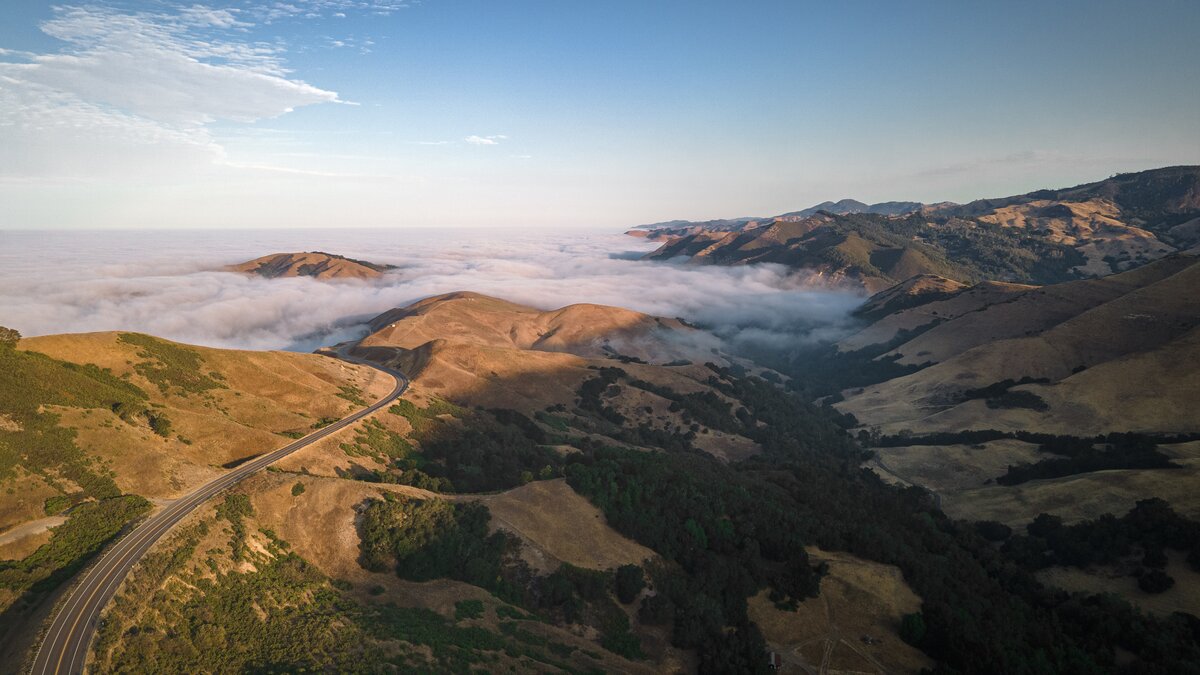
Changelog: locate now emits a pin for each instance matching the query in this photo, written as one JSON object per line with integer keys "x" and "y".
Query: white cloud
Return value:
{"x": 271, "y": 12}
{"x": 485, "y": 140}
{"x": 138, "y": 87}
{"x": 166, "y": 288}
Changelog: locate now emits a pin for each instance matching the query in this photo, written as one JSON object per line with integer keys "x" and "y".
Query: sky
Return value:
{"x": 489, "y": 113}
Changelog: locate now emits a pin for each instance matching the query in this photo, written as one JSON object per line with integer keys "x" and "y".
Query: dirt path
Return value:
{"x": 31, "y": 528}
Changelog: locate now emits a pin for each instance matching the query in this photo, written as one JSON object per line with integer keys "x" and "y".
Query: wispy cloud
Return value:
{"x": 272, "y": 12}
{"x": 485, "y": 140}
{"x": 1022, "y": 158}
{"x": 140, "y": 85}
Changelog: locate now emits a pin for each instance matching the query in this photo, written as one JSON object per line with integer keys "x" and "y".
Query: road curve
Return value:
{"x": 68, "y": 640}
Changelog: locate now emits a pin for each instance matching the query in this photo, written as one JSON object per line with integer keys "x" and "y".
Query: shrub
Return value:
{"x": 629, "y": 582}
{"x": 8, "y": 337}
{"x": 468, "y": 609}
{"x": 912, "y": 628}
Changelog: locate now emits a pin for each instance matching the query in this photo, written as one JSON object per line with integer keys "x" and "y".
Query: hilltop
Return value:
{"x": 316, "y": 264}
{"x": 1045, "y": 236}
{"x": 596, "y": 331}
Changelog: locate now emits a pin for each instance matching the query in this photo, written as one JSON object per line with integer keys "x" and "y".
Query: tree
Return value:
{"x": 8, "y": 337}
{"x": 912, "y": 628}
{"x": 630, "y": 582}
{"x": 1155, "y": 581}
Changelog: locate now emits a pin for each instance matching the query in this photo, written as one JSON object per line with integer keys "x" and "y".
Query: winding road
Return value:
{"x": 66, "y": 644}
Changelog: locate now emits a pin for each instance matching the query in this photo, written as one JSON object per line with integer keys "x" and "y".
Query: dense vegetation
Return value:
{"x": 283, "y": 615}
{"x": 982, "y": 610}
{"x": 172, "y": 367}
{"x": 1120, "y": 451}
{"x": 478, "y": 451}
{"x": 1143, "y": 534}
{"x": 432, "y": 539}
{"x": 90, "y": 527}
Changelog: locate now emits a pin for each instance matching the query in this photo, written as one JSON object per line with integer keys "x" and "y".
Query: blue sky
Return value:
{"x": 383, "y": 113}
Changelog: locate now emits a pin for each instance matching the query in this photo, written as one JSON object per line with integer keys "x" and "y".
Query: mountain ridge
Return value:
{"x": 1043, "y": 236}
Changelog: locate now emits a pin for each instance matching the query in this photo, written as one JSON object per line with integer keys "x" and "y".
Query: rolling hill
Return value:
{"x": 314, "y": 264}
{"x": 96, "y": 427}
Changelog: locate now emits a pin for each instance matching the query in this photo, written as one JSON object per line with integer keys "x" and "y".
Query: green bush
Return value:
{"x": 912, "y": 628}
{"x": 468, "y": 609}
{"x": 9, "y": 337}
{"x": 171, "y": 366}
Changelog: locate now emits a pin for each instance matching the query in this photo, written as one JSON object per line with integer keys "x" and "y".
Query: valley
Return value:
{"x": 590, "y": 488}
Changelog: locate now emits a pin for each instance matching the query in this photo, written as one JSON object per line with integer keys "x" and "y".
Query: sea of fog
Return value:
{"x": 168, "y": 283}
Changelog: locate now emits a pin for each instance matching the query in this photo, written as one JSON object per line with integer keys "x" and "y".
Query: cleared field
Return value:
{"x": 558, "y": 525}
{"x": 1184, "y": 596}
{"x": 859, "y": 599}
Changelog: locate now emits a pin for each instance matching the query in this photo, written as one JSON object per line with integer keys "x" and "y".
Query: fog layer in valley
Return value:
{"x": 167, "y": 284}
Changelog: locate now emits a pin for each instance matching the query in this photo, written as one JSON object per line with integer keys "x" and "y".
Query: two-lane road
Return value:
{"x": 65, "y": 646}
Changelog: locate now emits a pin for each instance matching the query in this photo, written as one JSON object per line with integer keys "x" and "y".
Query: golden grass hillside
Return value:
{"x": 253, "y": 402}
{"x": 852, "y": 627}
{"x": 558, "y": 525}
{"x": 595, "y": 331}
{"x": 314, "y": 264}
{"x": 1128, "y": 328}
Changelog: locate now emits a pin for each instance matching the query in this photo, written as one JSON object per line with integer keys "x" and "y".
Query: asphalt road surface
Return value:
{"x": 65, "y": 647}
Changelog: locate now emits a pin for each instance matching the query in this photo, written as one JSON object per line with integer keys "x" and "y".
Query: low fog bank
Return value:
{"x": 165, "y": 284}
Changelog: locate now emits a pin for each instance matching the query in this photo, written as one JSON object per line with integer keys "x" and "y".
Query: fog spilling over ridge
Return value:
{"x": 168, "y": 284}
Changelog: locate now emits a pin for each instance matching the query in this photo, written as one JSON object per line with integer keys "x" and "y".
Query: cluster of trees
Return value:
{"x": 172, "y": 367}
{"x": 727, "y": 536}
{"x": 593, "y": 392}
{"x": 9, "y": 337}
{"x": 430, "y": 539}
{"x": 1057, "y": 444}
{"x": 700, "y": 407}
{"x": 489, "y": 450}
{"x": 282, "y": 617}
{"x": 1150, "y": 528}
{"x": 1072, "y": 454}
{"x": 998, "y": 395}
{"x": 90, "y": 527}
{"x": 235, "y": 509}
{"x": 1121, "y": 451}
